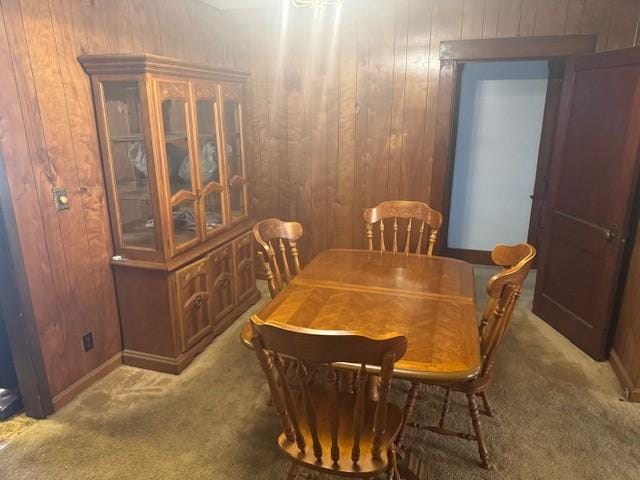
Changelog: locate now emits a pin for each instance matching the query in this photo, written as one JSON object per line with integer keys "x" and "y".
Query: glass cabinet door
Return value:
{"x": 234, "y": 154}
{"x": 178, "y": 163}
{"x": 130, "y": 169}
{"x": 207, "y": 123}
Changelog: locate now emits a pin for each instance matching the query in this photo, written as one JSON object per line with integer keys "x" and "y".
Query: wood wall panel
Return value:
{"x": 362, "y": 79}
{"x": 48, "y": 137}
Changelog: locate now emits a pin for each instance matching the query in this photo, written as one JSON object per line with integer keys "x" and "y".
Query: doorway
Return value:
{"x": 497, "y": 109}
{"x": 500, "y": 116}
{"x": 21, "y": 364}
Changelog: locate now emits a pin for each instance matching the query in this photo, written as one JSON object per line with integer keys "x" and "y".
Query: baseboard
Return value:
{"x": 623, "y": 377}
{"x": 69, "y": 393}
{"x": 161, "y": 363}
{"x": 149, "y": 361}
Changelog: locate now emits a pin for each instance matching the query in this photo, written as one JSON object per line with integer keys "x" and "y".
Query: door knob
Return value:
{"x": 611, "y": 234}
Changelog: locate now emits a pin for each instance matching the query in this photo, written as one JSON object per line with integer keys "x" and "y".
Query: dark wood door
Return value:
{"x": 222, "y": 283}
{"x": 245, "y": 273}
{"x": 593, "y": 180}
{"x": 194, "y": 297}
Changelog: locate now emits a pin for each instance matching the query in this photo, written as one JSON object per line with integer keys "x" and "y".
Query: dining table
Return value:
{"x": 428, "y": 299}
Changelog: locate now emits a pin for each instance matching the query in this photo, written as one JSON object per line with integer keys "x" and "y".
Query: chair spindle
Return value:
{"x": 285, "y": 263}
{"x": 395, "y": 234}
{"x": 271, "y": 281}
{"x": 276, "y": 395}
{"x": 419, "y": 247}
{"x": 294, "y": 254}
{"x": 358, "y": 414}
{"x": 407, "y": 243}
{"x": 309, "y": 410}
{"x": 288, "y": 400}
{"x": 334, "y": 413}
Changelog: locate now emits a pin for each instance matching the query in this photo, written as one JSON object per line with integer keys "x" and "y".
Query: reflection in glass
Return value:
{"x": 129, "y": 158}
{"x": 234, "y": 159}
{"x": 208, "y": 141}
{"x": 176, "y": 147}
{"x": 184, "y": 223}
{"x": 213, "y": 211}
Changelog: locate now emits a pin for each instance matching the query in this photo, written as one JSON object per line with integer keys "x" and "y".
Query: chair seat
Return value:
{"x": 366, "y": 465}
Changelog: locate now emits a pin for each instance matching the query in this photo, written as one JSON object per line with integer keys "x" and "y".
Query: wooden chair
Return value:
{"x": 503, "y": 289}
{"x": 277, "y": 248}
{"x": 323, "y": 428}
{"x": 419, "y": 215}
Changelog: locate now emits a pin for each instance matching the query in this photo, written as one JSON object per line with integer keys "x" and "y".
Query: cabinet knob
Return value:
{"x": 225, "y": 282}
{"x": 198, "y": 301}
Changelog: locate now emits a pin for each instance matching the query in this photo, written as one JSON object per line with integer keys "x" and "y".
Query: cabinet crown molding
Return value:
{"x": 140, "y": 63}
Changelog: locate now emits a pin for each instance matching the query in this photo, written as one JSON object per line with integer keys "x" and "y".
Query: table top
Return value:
{"x": 430, "y": 300}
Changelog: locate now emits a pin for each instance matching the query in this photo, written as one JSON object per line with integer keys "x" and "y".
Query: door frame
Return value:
{"x": 19, "y": 317}
{"x": 453, "y": 55}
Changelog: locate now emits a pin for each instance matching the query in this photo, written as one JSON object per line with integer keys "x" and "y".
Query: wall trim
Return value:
{"x": 623, "y": 377}
{"x": 68, "y": 394}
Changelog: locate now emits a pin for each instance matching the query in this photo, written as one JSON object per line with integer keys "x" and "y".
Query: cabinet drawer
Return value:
{"x": 223, "y": 291}
{"x": 245, "y": 270}
{"x": 194, "y": 302}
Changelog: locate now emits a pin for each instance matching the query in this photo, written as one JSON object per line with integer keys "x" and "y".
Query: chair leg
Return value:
{"x": 445, "y": 408}
{"x": 394, "y": 474}
{"x": 412, "y": 397}
{"x": 292, "y": 472}
{"x": 487, "y": 406}
{"x": 477, "y": 428}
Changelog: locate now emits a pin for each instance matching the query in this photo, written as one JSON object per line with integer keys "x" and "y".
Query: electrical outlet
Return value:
{"x": 87, "y": 341}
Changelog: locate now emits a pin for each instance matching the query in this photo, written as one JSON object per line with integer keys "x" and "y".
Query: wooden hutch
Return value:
{"x": 172, "y": 146}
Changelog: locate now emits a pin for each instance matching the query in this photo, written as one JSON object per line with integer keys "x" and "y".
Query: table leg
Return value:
{"x": 412, "y": 397}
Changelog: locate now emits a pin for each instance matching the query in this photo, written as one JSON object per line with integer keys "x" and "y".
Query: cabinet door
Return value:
{"x": 129, "y": 171}
{"x": 179, "y": 165}
{"x": 222, "y": 282}
{"x": 245, "y": 273}
{"x": 234, "y": 151}
{"x": 194, "y": 302}
{"x": 208, "y": 154}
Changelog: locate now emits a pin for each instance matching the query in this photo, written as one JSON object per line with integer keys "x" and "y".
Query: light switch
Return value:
{"x": 60, "y": 199}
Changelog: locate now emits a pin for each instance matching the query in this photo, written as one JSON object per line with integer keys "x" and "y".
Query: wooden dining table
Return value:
{"x": 428, "y": 299}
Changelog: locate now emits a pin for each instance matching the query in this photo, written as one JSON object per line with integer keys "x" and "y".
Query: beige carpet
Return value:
{"x": 559, "y": 417}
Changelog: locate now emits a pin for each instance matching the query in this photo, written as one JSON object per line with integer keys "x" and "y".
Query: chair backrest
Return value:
{"x": 312, "y": 348}
{"x": 419, "y": 215}
{"x": 278, "y": 251}
{"x": 504, "y": 289}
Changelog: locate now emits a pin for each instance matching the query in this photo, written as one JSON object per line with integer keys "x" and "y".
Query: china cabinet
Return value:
{"x": 171, "y": 138}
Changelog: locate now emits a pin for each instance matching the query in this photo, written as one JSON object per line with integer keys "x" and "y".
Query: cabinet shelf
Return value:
{"x": 133, "y": 137}
{"x": 133, "y": 190}
{"x": 206, "y": 137}
{"x": 171, "y": 137}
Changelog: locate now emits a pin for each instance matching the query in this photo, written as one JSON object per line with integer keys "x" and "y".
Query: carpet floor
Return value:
{"x": 559, "y": 416}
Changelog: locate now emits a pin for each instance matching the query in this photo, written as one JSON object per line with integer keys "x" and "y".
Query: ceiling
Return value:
{"x": 240, "y": 4}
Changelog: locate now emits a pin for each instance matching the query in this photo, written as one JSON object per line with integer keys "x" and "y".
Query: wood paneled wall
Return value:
{"x": 343, "y": 102}
{"x": 49, "y": 139}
